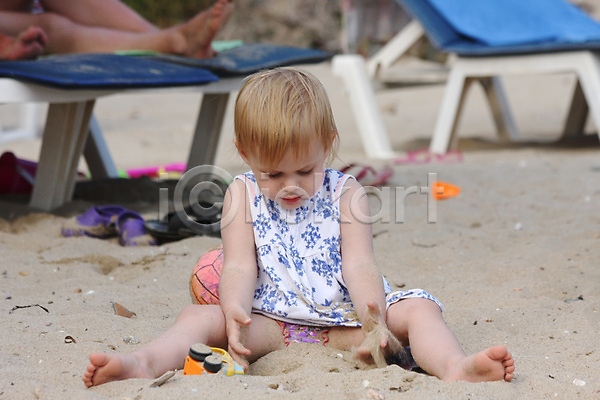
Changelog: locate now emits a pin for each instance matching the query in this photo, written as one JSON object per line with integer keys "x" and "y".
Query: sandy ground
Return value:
{"x": 514, "y": 258}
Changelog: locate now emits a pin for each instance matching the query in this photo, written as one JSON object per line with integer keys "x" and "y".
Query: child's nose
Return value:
{"x": 290, "y": 181}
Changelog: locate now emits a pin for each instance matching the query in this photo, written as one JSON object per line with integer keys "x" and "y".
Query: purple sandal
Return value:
{"x": 130, "y": 226}
{"x": 97, "y": 222}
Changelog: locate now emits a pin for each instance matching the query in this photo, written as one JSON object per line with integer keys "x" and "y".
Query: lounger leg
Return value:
{"x": 208, "y": 129}
{"x": 578, "y": 113}
{"x": 589, "y": 75}
{"x": 97, "y": 155}
{"x": 450, "y": 110}
{"x": 395, "y": 48}
{"x": 496, "y": 98}
{"x": 351, "y": 68}
{"x": 62, "y": 144}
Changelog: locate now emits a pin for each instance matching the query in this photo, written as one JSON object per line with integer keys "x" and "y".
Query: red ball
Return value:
{"x": 204, "y": 282}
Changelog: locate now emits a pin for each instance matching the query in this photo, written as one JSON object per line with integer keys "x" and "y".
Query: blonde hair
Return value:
{"x": 281, "y": 109}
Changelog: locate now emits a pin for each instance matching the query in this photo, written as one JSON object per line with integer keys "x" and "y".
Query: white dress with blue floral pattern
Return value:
{"x": 299, "y": 262}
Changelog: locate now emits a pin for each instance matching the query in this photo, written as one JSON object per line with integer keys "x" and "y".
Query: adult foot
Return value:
{"x": 200, "y": 31}
{"x": 492, "y": 364}
{"x": 28, "y": 45}
{"x": 105, "y": 368}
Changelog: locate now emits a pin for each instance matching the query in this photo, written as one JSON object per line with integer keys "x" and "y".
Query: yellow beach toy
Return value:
{"x": 202, "y": 359}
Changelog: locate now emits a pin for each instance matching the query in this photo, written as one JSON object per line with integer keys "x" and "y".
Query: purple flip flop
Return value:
{"x": 130, "y": 226}
{"x": 97, "y": 222}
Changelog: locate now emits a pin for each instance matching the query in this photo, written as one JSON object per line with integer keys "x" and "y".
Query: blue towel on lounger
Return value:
{"x": 498, "y": 27}
{"x": 104, "y": 71}
{"x": 514, "y": 22}
{"x": 249, "y": 58}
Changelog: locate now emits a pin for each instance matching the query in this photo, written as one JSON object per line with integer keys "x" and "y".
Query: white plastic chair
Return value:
{"x": 484, "y": 53}
{"x": 356, "y": 74}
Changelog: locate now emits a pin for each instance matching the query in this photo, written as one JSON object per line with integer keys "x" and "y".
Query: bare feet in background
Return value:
{"x": 199, "y": 32}
{"x": 58, "y": 32}
{"x": 28, "y": 45}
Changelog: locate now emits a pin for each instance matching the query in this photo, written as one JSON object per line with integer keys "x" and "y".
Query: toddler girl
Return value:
{"x": 298, "y": 257}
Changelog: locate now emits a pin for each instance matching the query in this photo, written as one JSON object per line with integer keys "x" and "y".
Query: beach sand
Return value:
{"x": 514, "y": 258}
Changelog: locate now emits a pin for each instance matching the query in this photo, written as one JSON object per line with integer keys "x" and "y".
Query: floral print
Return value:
{"x": 299, "y": 261}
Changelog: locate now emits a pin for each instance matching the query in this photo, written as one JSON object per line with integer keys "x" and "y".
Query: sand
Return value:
{"x": 514, "y": 258}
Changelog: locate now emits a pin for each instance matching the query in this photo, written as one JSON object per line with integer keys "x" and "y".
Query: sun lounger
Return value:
{"x": 500, "y": 37}
{"x": 72, "y": 83}
{"x": 510, "y": 37}
{"x": 231, "y": 66}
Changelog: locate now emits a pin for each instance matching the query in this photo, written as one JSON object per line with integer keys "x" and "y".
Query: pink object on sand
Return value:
{"x": 16, "y": 175}
{"x": 155, "y": 171}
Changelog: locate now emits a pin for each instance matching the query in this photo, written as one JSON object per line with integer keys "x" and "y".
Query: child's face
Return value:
{"x": 292, "y": 181}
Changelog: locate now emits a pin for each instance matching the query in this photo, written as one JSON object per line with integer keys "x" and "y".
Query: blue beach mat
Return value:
{"x": 488, "y": 27}
{"x": 104, "y": 71}
{"x": 249, "y": 58}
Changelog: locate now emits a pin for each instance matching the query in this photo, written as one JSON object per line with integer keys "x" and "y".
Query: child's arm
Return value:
{"x": 359, "y": 269}
{"x": 364, "y": 281}
{"x": 238, "y": 278}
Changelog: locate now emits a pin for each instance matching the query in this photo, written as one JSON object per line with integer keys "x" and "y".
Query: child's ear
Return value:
{"x": 241, "y": 152}
{"x": 244, "y": 157}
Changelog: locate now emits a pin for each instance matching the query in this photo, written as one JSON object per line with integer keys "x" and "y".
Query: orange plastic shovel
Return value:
{"x": 444, "y": 190}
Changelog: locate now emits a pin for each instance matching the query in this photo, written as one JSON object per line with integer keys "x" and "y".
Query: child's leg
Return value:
{"x": 419, "y": 322}
{"x": 195, "y": 324}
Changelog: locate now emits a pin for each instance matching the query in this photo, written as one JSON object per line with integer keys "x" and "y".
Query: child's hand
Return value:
{"x": 380, "y": 345}
{"x": 237, "y": 322}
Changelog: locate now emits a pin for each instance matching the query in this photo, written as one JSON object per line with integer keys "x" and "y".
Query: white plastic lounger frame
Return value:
{"x": 463, "y": 72}
{"x": 70, "y": 119}
{"x": 487, "y": 70}
{"x": 356, "y": 74}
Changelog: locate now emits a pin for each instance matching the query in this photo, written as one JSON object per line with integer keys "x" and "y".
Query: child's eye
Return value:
{"x": 307, "y": 172}
{"x": 274, "y": 175}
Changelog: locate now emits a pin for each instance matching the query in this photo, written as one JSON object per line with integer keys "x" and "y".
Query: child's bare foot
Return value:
{"x": 380, "y": 345}
{"x": 492, "y": 364}
{"x": 200, "y": 31}
{"x": 27, "y": 45}
{"x": 114, "y": 367}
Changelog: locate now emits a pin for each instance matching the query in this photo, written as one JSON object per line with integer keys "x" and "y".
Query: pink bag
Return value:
{"x": 16, "y": 175}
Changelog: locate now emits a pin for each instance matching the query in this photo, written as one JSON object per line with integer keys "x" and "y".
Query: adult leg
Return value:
{"x": 112, "y": 14}
{"x": 419, "y": 322}
{"x": 192, "y": 39}
{"x": 65, "y": 36}
{"x": 15, "y": 5}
